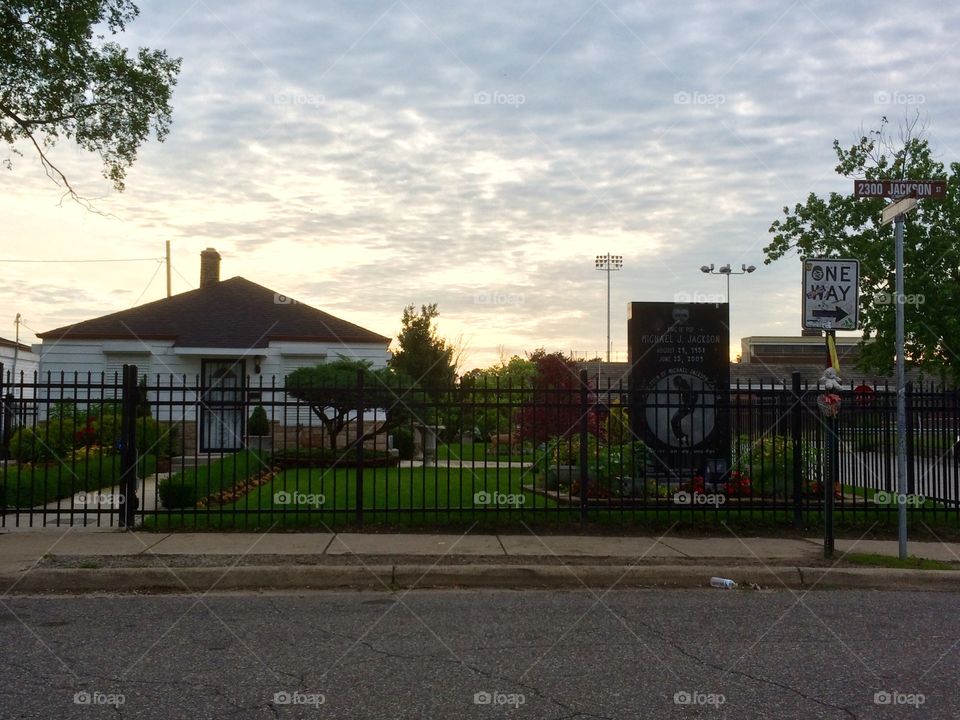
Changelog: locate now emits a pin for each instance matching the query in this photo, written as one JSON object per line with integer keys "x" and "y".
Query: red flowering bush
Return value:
{"x": 87, "y": 435}
{"x": 697, "y": 485}
{"x": 738, "y": 485}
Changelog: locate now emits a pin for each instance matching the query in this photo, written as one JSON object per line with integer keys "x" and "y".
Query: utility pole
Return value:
{"x": 16, "y": 348}
{"x": 169, "y": 292}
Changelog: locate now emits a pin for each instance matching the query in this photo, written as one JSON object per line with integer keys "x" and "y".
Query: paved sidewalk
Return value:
{"x": 73, "y": 560}
{"x": 19, "y": 550}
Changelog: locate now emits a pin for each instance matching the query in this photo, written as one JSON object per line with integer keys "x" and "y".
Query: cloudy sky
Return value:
{"x": 361, "y": 156}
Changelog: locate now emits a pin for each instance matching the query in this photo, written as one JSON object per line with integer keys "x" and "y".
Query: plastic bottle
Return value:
{"x": 719, "y": 582}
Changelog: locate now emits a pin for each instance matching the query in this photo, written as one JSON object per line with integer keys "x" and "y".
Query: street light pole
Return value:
{"x": 728, "y": 271}
{"x": 609, "y": 263}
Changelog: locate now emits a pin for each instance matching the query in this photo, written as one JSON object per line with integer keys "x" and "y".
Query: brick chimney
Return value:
{"x": 209, "y": 268}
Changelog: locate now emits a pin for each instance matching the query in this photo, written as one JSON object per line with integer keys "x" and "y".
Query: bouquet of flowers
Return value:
{"x": 829, "y": 404}
{"x": 829, "y": 401}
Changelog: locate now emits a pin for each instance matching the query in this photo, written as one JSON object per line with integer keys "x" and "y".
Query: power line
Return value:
{"x": 149, "y": 283}
{"x": 153, "y": 259}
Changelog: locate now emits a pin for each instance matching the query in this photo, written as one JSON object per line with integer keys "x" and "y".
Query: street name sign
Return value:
{"x": 900, "y": 188}
{"x": 891, "y": 211}
{"x": 831, "y": 294}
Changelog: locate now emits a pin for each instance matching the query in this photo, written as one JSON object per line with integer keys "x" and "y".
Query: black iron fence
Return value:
{"x": 167, "y": 451}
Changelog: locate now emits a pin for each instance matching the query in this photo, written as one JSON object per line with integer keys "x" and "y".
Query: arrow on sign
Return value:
{"x": 838, "y": 314}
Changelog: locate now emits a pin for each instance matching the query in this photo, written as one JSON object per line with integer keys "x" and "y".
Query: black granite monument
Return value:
{"x": 679, "y": 387}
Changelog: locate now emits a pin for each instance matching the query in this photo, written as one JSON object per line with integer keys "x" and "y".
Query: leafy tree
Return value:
{"x": 844, "y": 226}
{"x": 554, "y": 409}
{"x": 334, "y": 394}
{"x": 422, "y": 354}
{"x": 59, "y": 78}
{"x": 491, "y": 396}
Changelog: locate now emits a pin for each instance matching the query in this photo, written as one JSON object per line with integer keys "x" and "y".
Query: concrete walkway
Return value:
{"x": 56, "y": 514}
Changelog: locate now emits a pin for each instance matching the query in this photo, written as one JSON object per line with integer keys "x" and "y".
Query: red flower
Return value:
{"x": 738, "y": 485}
{"x": 697, "y": 485}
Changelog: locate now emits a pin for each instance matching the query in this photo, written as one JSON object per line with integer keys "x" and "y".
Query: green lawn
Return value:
{"x": 444, "y": 497}
{"x": 24, "y": 486}
{"x": 888, "y": 561}
{"x": 479, "y": 452}
{"x": 303, "y": 496}
{"x": 185, "y": 488}
{"x": 867, "y": 495}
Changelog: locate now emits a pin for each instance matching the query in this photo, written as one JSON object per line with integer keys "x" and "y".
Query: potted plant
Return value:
{"x": 258, "y": 431}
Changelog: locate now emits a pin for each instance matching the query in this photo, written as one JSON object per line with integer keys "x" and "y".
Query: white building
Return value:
{"x": 233, "y": 338}
{"x": 18, "y": 358}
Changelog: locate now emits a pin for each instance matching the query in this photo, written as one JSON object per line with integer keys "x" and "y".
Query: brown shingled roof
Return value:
{"x": 12, "y": 343}
{"x": 234, "y": 313}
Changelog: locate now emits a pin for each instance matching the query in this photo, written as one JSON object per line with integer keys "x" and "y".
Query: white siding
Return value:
{"x": 27, "y": 363}
{"x": 179, "y": 368}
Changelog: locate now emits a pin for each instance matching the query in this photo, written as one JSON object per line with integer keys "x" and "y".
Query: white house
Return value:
{"x": 18, "y": 358}
{"x": 234, "y": 338}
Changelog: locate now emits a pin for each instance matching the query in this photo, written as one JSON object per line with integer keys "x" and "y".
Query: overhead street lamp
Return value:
{"x": 609, "y": 263}
{"x": 728, "y": 271}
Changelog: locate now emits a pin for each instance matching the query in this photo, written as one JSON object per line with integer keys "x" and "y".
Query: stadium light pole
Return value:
{"x": 609, "y": 263}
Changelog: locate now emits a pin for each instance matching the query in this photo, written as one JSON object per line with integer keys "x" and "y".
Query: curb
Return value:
{"x": 397, "y": 577}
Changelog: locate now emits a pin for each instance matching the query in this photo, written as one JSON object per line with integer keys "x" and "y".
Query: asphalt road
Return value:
{"x": 483, "y": 654}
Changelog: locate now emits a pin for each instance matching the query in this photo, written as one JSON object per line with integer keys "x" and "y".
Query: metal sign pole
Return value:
{"x": 901, "y": 397}
{"x": 904, "y": 195}
{"x": 832, "y": 449}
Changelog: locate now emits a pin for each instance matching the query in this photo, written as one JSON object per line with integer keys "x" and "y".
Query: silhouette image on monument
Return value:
{"x": 688, "y": 403}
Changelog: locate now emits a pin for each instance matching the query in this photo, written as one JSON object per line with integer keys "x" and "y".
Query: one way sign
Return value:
{"x": 831, "y": 294}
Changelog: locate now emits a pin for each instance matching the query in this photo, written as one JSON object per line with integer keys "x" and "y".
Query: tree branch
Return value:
{"x": 52, "y": 171}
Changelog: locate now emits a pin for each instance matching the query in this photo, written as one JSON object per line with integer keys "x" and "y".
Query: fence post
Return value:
{"x": 911, "y": 440}
{"x": 359, "y": 446}
{"x": 796, "y": 428}
{"x": 128, "y": 446}
{"x": 584, "y": 476}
